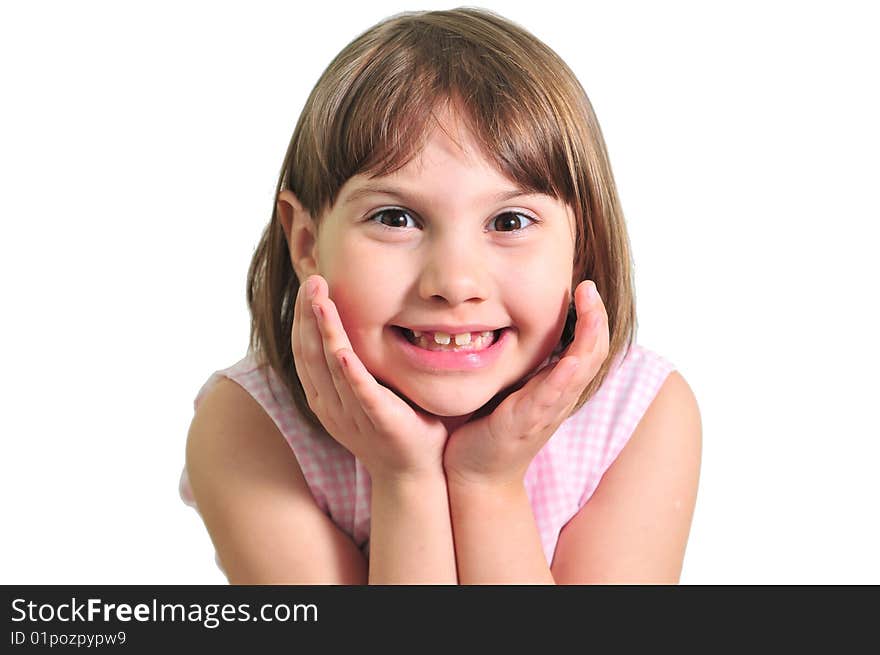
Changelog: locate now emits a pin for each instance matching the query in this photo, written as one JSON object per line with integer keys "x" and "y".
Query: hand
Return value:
{"x": 498, "y": 448}
{"x": 388, "y": 436}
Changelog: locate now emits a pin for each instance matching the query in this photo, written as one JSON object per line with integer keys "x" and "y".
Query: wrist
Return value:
{"x": 483, "y": 481}
{"x": 475, "y": 488}
{"x": 390, "y": 474}
{"x": 407, "y": 484}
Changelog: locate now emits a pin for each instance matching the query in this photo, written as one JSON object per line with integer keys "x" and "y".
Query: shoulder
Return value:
{"x": 642, "y": 369}
{"x": 673, "y": 423}
{"x": 673, "y": 417}
{"x": 229, "y": 419}
{"x": 638, "y": 380}
{"x": 254, "y": 500}
{"x": 634, "y": 528}
{"x": 633, "y": 381}
{"x": 231, "y": 438}
{"x": 226, "y": 400}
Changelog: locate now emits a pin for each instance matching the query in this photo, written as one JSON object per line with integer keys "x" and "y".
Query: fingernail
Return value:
{"x": 319, "y": 313}
{"x": 312, "y": 288}
{"x": 591, "y": 292}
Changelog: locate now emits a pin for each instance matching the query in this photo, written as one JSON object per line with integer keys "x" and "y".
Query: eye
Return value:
{"x": 398, "y": 218}
{"x": 512, "y": 221}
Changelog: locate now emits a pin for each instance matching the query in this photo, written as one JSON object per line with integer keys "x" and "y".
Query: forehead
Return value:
{"x": 447, "y": 170}
{"x": 449, "y": 139}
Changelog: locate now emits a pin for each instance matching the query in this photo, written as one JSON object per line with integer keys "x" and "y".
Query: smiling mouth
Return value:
{"x": 478, "y": 341}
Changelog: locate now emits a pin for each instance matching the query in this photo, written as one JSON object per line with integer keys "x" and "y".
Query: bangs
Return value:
{"x": 386, "y": 111}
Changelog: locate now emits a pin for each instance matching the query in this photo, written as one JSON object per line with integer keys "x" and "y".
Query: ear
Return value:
{"x": 301, "y": 233}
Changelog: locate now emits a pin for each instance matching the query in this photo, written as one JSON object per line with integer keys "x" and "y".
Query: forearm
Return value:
{"x": 496, "y": 537}
{"x": 411, "y": 533}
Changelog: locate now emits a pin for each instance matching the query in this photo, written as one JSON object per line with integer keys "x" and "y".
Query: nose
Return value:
{"x": 454, "y": 271}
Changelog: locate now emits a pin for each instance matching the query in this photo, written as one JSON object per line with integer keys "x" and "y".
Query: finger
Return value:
{"x": 548, "y": 395}
{"x": 313, "y": 356}
{"x": 365, "y": 391}
{"x": 380, "y": 405}
{"x": 329, "y": 322}
{"x": 370, "y": 404}
{"x": 296, "y": 339}
{"x": 336, "y": 342}
{"x": 591, "y": 322}
{"x": 591, "y": 326}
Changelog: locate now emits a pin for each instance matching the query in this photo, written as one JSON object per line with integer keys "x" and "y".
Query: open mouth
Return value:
{"x": 472, "y": 342}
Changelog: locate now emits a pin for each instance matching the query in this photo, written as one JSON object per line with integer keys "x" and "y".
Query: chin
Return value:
{"x": 442, "y": 407}
{"x": 448, "y": 409}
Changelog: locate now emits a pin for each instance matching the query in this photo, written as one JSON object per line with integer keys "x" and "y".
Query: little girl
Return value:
{"x": 441, "y": 385}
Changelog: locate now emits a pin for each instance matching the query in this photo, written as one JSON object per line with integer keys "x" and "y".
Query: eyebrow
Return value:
{"x": 357, "y": 194}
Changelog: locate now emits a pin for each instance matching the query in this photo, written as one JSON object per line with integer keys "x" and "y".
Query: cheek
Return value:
{"x": 539, "y": 292}
{"x": 364, "y": 299}
{"x": 356, "y": 304}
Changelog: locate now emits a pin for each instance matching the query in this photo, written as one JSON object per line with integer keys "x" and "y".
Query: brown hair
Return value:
{"x": 369, "y": 113}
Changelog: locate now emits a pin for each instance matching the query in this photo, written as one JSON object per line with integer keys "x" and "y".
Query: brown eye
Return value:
{"x": 396, "y": 218}
{"x": 511, "y": 221}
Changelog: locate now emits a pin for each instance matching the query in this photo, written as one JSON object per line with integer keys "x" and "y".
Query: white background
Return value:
{"x": 139, "y": 149}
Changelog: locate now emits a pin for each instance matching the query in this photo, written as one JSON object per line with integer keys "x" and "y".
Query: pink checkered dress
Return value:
{"x": 559, "y": 481}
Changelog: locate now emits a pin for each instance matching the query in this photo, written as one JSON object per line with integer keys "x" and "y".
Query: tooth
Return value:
{"x": 442, "y": 338}
{"x": 462, "y": 339}
{"x": 486, "y": 335}
{"x": 416, "y": 334}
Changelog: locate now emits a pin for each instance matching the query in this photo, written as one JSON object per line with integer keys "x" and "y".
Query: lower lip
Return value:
{"x": 434, "y": 360}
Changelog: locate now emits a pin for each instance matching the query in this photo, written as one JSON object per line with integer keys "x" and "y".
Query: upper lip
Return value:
{"x": 452, "y": 329}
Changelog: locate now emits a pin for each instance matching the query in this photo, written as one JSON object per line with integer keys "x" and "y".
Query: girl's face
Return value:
{"x": 440, "y": 245}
